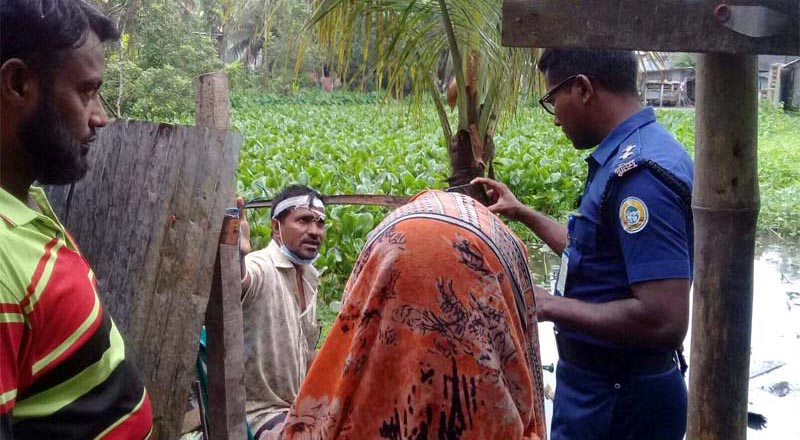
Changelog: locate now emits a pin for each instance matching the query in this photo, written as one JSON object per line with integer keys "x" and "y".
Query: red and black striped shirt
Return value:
{"x": 63, "y": 369}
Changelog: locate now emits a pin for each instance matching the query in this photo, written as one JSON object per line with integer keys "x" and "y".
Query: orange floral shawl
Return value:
{"x": 437, "y": 337}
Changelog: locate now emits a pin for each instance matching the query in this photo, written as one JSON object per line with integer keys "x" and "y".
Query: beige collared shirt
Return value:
{"x": 279, "y": 338}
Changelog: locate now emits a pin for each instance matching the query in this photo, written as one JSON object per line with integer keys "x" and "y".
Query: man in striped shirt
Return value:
{"x": 63, "y": 369}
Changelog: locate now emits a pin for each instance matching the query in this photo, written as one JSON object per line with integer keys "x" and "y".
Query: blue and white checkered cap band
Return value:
{"x": 309, "y": 201}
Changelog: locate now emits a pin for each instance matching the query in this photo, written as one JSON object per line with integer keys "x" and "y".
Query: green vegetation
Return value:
{"x": 336, "y": 148}
{"x": 779, "y": 172}
{"x": 261, "y": 44}
{"x": 425, "y": 48}
{"x": 356, "y": 143}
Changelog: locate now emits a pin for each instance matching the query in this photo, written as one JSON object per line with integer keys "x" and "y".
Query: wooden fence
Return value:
{"x": 148, "y": 217}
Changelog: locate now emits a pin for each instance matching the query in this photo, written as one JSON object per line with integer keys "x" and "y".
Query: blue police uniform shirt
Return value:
{"x": 634, "y": 221}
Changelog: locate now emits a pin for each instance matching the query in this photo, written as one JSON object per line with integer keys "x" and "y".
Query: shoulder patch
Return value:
{"x": 633, "y": 215}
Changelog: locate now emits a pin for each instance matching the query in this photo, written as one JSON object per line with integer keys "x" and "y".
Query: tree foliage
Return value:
{"x": 420, "y": 45}
{"x": 149, "y": 74}
{"x": 166, "y": 43}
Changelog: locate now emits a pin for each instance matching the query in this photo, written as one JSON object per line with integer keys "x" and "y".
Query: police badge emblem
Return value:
{"x": 633, "y": 215}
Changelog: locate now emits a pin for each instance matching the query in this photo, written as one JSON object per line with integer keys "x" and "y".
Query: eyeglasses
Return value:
{"x": 547, "y": 101}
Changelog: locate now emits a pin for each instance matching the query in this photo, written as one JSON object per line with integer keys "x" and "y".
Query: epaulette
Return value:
{"x": 628, "y": 160}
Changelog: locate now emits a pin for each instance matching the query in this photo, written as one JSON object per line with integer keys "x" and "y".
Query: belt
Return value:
{"x": 613, "y": 361}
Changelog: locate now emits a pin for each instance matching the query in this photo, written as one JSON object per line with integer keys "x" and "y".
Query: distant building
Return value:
{"x": 764, "y": 64}
{"x": 672, "y": 74}
{"x": 789, "y": 93}
{"x": 664, "y": 84}
{"x": 778, "y": 79}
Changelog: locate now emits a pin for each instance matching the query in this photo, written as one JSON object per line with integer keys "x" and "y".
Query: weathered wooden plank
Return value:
{"x": 661, "y": 25}
{"x": 225, "y": 339}
{"x": 725, "y": 204}
{"x": 147, "y": 217}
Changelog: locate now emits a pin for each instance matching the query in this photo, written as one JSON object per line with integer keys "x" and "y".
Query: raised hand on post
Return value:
{"x": 244, "y": 242}
{"x": 244, "y": 229}
{"x": 501, "y": 198}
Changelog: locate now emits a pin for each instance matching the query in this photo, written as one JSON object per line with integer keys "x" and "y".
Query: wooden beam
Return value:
{"x": 725, "y": 204}
{"x": 225, "y": 341}
{"x": 657, "y": 25}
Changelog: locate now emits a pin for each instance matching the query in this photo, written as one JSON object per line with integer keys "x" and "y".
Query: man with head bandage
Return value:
{"x": 279, "y": 287}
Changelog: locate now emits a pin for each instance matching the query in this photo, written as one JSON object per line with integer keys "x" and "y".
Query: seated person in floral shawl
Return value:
{"x": 437, "y": 337}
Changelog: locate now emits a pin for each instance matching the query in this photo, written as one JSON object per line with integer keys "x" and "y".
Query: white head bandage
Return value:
{"x": 309, "y": 201}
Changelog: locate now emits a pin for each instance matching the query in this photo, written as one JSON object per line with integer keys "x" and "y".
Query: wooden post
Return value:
{"x": 725, "y": 204}
{"x": 212, "y": 102}
{"x": 225, "y": 340}
{"x": 224, "y": 320}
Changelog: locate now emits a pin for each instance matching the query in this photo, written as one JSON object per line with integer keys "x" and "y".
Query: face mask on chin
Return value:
{"x": 291, "y": 256}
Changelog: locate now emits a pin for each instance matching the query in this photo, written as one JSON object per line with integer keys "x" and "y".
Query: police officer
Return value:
{"x": 621, "y": 303}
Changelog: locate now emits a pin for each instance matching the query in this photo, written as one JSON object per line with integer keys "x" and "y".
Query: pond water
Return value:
{"x": 775, "y": 339}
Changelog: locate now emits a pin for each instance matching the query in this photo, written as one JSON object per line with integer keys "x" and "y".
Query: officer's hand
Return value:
{"x": 501, "y": 199}
{"x": 244, "y": 228}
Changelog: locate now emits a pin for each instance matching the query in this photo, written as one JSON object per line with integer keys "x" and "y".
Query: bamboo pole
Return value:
{"x": 725, "y": 204}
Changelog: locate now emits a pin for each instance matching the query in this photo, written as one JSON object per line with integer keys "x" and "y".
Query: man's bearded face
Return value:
{"x": 57, "y": 156}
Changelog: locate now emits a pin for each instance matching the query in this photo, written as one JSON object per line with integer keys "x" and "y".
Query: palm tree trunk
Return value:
{"x": 464, "y": 167}
{"x": 466, "y": 147}
{"x": 468, "y": 153}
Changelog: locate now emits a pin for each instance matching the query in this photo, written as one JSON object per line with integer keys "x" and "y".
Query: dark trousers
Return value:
{"x": 591, "y": 406}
